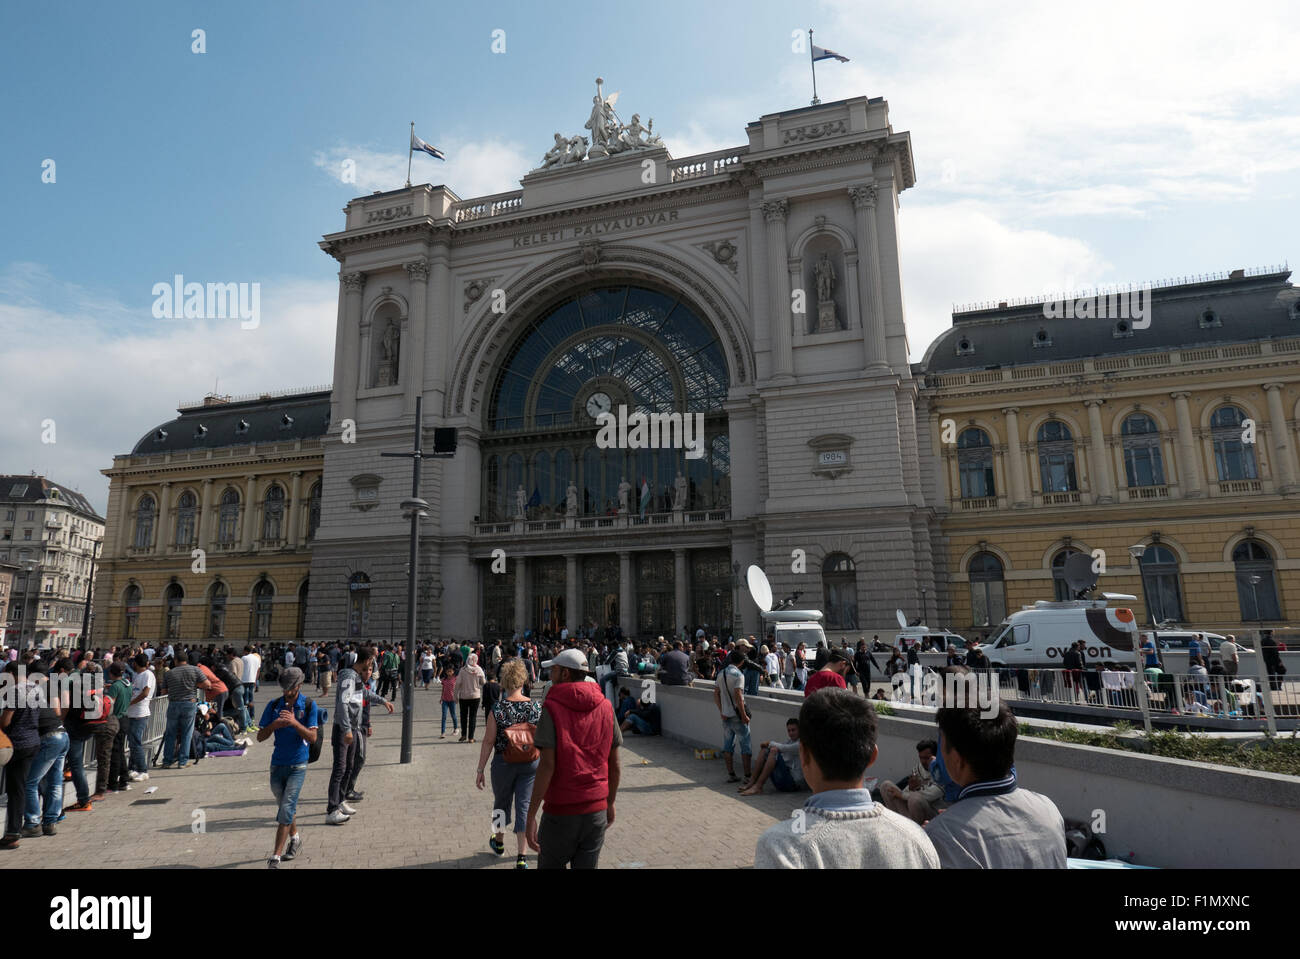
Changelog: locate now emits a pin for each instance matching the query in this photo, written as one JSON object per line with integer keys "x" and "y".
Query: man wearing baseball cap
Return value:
{"x": 832, "y": 673}
{"x": 293, "y": 720}
{"x": 578, "y": 774}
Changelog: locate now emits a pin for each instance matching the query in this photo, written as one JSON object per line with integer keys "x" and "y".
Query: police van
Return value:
{"x": 1041, "y": 634}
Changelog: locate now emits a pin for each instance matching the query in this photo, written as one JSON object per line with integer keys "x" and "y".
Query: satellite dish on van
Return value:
{"x": 902, "y": 618}
{"x": 759, "y": 588}
{"x": 1079, "y": 574}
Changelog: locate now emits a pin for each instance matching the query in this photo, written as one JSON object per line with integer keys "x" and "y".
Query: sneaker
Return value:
{"x": 49, "y": 829}
{"x": 135, "y": 777}
{"x": 81, "y": 807}
{"x": 496, "y": 845}
{"x": 347, "y": 810}
{"x": 273, "y": 862}
{"x": 337, "y": 818}
{"x": 166, "y": 765}
{"x": 521, "y": 862}
{"x": 242, "y": 743}
{"x": 354, "y": 796}
{"x": 31, "y": 832}
{"x": 295, "y": 846}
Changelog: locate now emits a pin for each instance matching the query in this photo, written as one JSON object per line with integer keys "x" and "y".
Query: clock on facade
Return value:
{"x": 599, "y": 403}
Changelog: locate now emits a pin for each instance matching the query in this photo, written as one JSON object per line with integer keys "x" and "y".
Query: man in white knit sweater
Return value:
{"x": 840, "y": 827}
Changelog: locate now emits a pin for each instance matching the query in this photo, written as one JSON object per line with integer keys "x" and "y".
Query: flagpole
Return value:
{"x": 410, "y": 149}
{"x": 812, "y": 62}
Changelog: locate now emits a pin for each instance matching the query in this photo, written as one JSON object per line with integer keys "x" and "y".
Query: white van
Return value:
{"x": 795, "y": 626}
{"x": 909, "y": 636}
{"x": 1041, "y": 634}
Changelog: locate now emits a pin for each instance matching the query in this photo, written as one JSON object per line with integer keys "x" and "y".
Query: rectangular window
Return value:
{"x": 27, "y": 535}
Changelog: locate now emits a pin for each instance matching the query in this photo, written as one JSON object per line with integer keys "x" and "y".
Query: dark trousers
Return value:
{"x": 104, "y": 736}
{"x": 468, "y": 717}
{"x": 573, "y": 841}
{"x": 15, "y": 773}
{"x": 345, "y": 758}
{"x": 117, "y": 764}
{"x": 350, "y": 784}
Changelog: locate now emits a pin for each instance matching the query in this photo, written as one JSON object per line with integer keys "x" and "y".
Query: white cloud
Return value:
{"x": 106, "y": 383}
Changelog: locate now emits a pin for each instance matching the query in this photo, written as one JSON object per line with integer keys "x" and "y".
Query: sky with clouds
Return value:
{"x": 1057, "y": 147}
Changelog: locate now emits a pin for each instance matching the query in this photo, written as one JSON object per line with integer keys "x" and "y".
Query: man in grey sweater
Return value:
{"x": 840, "y": 827}
{"x": 351, "y": 695}
{"x": 992, "y": 823}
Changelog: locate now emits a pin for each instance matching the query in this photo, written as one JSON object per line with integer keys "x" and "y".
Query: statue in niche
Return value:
{"x": 571, "y": 500}
{"x": 679, "y": 492}
{"x": 521, "y": 503}
{"x": 624, "y": 490}
{"x": 389, "y": 348}
{"x": 824, "y": 273}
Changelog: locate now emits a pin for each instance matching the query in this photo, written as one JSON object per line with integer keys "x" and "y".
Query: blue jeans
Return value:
{"x": 135, "y": 730}
{"x": 249, "y": 689}
{"x": 751, "y": 682}
{"x": 286, "y": 783}
{"x": 731, "y": 729}
{"x": 180, "y": 722}
{"x": 77, "y": 763}
{"x": 449, "y": 708}
{"x": 237, "y": 700}
{"x": 220, "y": 741}
{"x": 512, "y": 784}
{"x": 47, "y": 767}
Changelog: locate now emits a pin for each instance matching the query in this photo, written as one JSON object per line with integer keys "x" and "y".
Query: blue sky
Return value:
{"x": 1055, "y": 148}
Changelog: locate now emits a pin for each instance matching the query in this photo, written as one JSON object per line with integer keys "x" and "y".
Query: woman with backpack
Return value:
{"x": 511, "y": 725}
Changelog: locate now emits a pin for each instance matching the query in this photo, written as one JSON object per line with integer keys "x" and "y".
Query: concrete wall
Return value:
{"x": 1158, "y": 812}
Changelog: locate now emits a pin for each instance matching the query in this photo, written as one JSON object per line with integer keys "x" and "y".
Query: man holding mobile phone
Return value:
{"x": 293, "y": 720}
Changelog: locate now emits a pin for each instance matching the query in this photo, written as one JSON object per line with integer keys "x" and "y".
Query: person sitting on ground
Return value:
{"x": 992, "y": 823}
{"x": 780, "y": 763}
{"x": 919, "y": 801}
{"x": 626, "y": 702}
{"x": 643, "y": 718}
{"x": 840, "y": 827}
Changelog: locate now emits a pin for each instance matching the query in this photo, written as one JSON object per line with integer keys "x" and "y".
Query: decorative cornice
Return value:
{"x": 816, "y": 131}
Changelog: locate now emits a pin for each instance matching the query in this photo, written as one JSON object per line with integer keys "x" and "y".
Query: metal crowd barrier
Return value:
{"x": 153, "y": 732}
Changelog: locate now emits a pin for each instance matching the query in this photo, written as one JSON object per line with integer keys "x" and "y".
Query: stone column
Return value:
{"x": 294, "y": 508}
{"x": 363, "y": 354}
{"x": 625, "y": 612}
{"x": 572, "y": 594}
{"x": 1016, "y": 458}
{"x": 202, "y": 527}
{"x": 440, "y": 327}
{"x": 1103, "y": 482}
{"x": 681, "y": 593}
{"x": 758, "y": 292}
{"x": 875, "y": 354}
{"x": 521, "y": 594}
{"x": 774, "y": 212}
{"x": 250, "y": 513}
{"x": 1284, "y": 469}
{"x": 124, "y": 530}
{"x": 1189, "y": 470}
{"x": 413, "y": 342}
{"x": 164, "y": 505}
{"x": 353, "y": 284}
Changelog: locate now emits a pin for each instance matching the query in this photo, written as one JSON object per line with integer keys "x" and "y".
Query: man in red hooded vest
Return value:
{"x": 577, "y": 777}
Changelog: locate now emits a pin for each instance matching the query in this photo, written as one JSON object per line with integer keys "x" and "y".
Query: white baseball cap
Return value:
{"x": 569, "y": 659}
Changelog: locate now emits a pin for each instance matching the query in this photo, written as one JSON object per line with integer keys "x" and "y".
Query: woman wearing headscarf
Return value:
{"x": 469, "y": 690}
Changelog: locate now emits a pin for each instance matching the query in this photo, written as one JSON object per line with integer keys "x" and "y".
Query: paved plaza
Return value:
{"x": 673, "y": 810}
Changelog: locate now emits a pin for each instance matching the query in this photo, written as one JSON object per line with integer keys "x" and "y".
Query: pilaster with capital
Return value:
{"x": 203, "y": 528}
{"x": 1016, "y": 458}
{"x": 295, "y": 508}
{"x": 681, "y": 593}
{"x": 250, "y": 512}
{"x": 164, "y": 507}
{"x": 1284, "y": 467}
{"x": 626, "y": 620}
{"x": 353, "y": 285}
{"x": 1103, "y": 479}
{"x": 572, "y": 593}
{"x": 774, "y": 213}
{"x": 418, "y": 321}
{"x": 521, "y": 595}
{"x": 875, "y": 353}
{"x": 1189, "y": 466}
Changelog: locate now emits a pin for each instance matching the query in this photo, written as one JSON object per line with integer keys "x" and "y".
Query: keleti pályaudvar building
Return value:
{"x": 752, "y": 291}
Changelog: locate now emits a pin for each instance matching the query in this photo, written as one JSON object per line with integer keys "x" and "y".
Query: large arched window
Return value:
{"x": 975, "y": 464}
{"x": 144, "y": 517}
{"x": 1142, "y": 463}
{"x": 1256, "y": 582}
{"x": 1060, "y": 587}
{"x": 358, "y": 604}
{"x": 313, "y": 510}
{"x": 988, "y": 598}
{"x": 228, "y": 517}
{"x": 186, "y": 510}
{"x": 1233, "y": 459}
{"x": 217, "y": 596}
{"x": 174, "y": 596}
{"x": 1056, "y": 458}
{"x": 131, "y": 620}
{"x": 1160, "y": 587}
{"x": 273, "y": 513}
{"x": 840, "y": 592}
{"x": 259, "y": 626}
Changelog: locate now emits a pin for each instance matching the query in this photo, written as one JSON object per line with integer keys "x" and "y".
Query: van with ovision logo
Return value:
{"x": 1040, "y": 635}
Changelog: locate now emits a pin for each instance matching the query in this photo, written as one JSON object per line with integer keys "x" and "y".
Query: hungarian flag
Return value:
{"x": 645, "y": 495}
{"x": 419, "y": 145}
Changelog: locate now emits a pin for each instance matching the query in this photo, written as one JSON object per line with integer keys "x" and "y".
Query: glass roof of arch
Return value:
{"x": 601, "y": 327}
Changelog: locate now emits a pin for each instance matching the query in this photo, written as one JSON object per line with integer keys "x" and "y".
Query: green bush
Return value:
{"x": 1267, "y": 755}
{"x": 883, "y": 709}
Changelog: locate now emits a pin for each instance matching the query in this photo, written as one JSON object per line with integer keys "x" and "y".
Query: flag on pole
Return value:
{"x": 821, "y": 53}
{"x": 536, "y": 498}
{"x": 422, "y": 147}
{"x": 645, "y": 495}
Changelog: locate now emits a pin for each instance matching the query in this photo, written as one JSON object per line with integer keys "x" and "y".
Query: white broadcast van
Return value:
{"x": 790, "y": 626}
{"x": 1041, "y": 634}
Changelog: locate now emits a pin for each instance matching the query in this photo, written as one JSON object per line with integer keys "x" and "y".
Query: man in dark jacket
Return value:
{"x": 862, "y": 663}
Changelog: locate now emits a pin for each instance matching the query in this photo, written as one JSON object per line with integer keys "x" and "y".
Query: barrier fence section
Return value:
{"x": 153, "y": 732}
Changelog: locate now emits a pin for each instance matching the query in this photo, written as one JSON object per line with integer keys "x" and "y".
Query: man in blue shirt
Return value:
{"x": 293, "y": 720}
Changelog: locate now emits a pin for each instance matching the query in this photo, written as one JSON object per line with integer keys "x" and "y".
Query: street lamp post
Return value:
{"x": 29, "y": 567}
{"x": 90, "y": 589}
{"x": 1255, "y": 580}
{"x": 1139, "y": 681}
